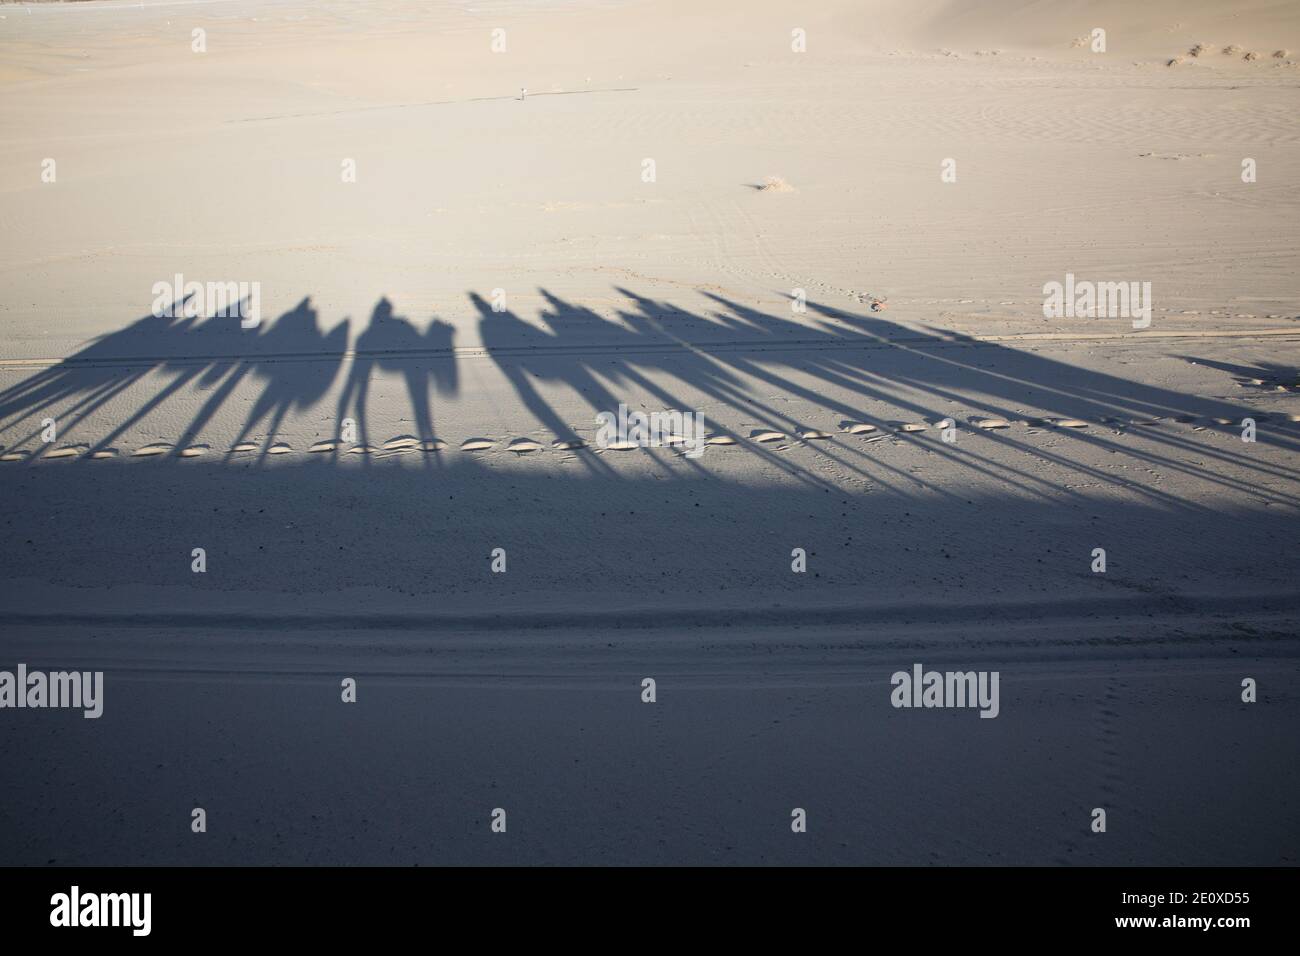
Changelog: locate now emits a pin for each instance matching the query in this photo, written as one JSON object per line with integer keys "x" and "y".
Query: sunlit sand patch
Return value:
{"x": 812, "y": 434}
{"x": 476, "y": 444}
{"x": 102, "y": 453}
{"x": 321, "y": 446}
{"x": 991, "y": 423}
{"x": 764, "y": 436}
{"x": 18, "y": 455}
{"x": 568, "y": 444}
{"x": 149, "y": 451}
{"x": 194, "y": 451}
{"x": 719, "y": 440}
{"x": 244, "y": 446}
{"x": 280, "y": 448}
{"x": 361, "y": 450}
{"x": 522, "y": 446}
{"x": 1070, "y": 423}
{"x": 401, "y": 442}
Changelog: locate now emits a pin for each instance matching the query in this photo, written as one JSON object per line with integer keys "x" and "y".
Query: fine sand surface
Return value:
{"x": 333, "y": 552}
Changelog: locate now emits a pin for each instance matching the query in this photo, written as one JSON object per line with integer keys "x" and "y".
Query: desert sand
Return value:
{"x": 826, "y": 229}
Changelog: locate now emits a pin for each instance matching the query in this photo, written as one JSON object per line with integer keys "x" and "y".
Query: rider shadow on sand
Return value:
{"x": 866, "y": 369}
{"x": 289, "y": 385}
{"x": 426, "y": 362}
{"x": 80, "y": 384}
{"x": 742, "y": 365}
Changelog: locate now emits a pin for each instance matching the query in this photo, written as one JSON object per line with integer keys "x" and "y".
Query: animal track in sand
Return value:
{"x": 68, "y": 451}
{"x": 401, "y": 442}
{"x": 522, "y": 446}
{"x": 857, "y": 428}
